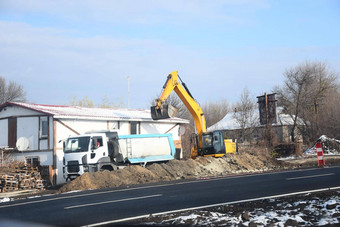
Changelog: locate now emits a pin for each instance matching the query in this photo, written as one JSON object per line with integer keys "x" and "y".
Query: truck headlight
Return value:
{"x": 86, "y": 168}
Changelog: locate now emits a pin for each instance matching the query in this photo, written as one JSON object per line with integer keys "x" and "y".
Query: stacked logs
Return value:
{"x": 21, "y": 178}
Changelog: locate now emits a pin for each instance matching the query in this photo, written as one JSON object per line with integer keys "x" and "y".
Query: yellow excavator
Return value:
{"x": 206, "y": 143}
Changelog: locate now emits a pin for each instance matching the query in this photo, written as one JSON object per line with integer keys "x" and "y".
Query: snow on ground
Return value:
{"x": 74, "y": 191}
{"x": 315, "y": 209}
{"x": 292, "y": 157}
{"x": 3, "y": 200}
{"x": 330, "y": 146}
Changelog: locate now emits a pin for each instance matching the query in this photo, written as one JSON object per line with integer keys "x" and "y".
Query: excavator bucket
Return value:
{"x": 163, "y": 112}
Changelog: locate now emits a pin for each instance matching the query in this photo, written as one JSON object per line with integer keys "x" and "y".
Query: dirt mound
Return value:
{"x": 174, "y": 170}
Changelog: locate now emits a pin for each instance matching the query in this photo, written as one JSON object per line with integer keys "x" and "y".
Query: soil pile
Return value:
{"x": 244, "y": 162}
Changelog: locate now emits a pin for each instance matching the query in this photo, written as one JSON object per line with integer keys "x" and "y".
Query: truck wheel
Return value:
{"x": 109, "y": 168}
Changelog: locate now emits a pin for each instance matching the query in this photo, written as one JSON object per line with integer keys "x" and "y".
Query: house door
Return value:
{"x": 12, "y": 132}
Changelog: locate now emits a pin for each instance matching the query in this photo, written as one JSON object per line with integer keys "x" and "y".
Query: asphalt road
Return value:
{"x": 116, "y": 205}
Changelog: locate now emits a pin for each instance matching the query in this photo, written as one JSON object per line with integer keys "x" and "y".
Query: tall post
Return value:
{"x": 2, "y": 157}
{"x": 267, "y": 111}
{"x": 53, "y": 178}
{"x": 268, "y": 124}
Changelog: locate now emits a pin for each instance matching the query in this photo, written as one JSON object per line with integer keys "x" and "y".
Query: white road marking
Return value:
{"x": 153, "y": 186}
{"x": 304, "y": 177}
{"x": 208, "y": 206}
{"x": 112, "y": 201}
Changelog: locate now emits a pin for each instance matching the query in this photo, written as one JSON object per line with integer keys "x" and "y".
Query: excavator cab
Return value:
{"x": 163, "y": 112}
{"x": 213, "y": 144}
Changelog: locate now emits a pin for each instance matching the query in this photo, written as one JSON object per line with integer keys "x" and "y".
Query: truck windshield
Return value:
{"x": 79, "y": 144}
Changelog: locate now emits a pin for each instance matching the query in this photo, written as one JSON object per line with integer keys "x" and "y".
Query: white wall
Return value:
{"x": 113, "y": 125}
{"x": 124, "y": 128}
{"x": 29, "y": 127}
{"x": 26, "y": 127}
{"x": 12, "y": 111}
{"x": 161, "y": 128}
{"x": 59, "y": 170}
{"x": 3, "y": 132}
{"x": 46, "y": 158}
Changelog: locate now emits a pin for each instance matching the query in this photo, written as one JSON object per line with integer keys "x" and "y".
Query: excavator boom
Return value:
{"x": 214, "y": 144}
{"x": 162, "y": 110}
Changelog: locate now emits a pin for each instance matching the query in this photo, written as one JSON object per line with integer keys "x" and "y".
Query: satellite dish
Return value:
{"x": 181, "y": 130}
{"x": 22, "y": 144}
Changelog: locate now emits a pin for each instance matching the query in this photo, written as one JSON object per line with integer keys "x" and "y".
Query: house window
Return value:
{"x": 43, "y": 127}
{"x": 33, "y": 161}
{"x": 134, "y": 128}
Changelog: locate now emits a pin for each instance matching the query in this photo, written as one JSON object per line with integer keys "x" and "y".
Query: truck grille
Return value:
{"x": 73, "y": 166}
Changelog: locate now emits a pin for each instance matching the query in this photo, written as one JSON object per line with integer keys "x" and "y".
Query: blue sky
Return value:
{"x": 61, "y": 49}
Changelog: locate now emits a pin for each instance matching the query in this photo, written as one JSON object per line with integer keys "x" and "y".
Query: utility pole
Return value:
{"x": 268, "y": 124}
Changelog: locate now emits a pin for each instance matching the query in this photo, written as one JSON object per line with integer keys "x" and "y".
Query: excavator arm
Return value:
{"x": 163, "y": 111}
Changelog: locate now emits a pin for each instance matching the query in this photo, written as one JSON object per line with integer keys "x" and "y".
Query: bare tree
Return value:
{"x": 11, "y": 91}
{"x": 176, "y": 102}
{"x": 108, "y": 103}
{"x": 244, "y": 114}
{"x": 85, "y": 102}
{"x": 303, "y": 90}
{"x": 215, "y": 111}
{"x": 329, "y": 114}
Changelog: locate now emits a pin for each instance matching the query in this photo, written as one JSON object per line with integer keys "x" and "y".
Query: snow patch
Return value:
{"x": 4, "y": 200}
{"x": 331, "y": 146}
{"x": 302, "y": 211}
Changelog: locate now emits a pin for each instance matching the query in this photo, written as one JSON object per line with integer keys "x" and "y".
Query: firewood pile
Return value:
{"x": 21, "y": 177}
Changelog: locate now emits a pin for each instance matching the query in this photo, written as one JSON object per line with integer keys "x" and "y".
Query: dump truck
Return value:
{"x": 206, "y": 143}
{"x": 106, "y": 150}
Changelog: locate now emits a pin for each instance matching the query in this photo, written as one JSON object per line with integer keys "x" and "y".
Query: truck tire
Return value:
{"x": 106, "y": 167}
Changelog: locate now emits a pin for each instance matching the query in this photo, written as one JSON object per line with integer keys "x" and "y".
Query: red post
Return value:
{"x": 319, "y": 152}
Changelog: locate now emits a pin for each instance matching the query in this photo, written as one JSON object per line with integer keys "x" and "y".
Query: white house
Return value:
{"x": 45, "y": 126}
{"x": 281, "y": 129}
